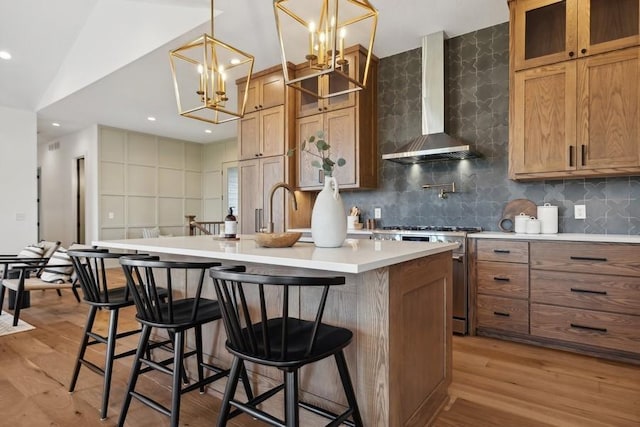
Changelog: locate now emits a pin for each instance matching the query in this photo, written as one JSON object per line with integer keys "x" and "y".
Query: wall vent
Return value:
{"x": 54, "y": 146}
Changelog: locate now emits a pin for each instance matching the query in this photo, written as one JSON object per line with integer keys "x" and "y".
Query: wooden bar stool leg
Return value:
{"x": 135, "y": 371}
{"x": 348, "y": 387}
{"x": 198, "y": 331}
{"x": 292, "y": 413}
{"x": 178, "y": 355}
{"x": 108, "y": 362}
{"x": 230, "y": 391}
{"x": 83, "y": 346}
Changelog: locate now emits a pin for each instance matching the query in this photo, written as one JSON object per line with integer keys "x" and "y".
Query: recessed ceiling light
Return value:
{"x": 151, "y": 119}
{"x": 5, "y": 55}
{"x": 235, "y": 61}
{"x": 207, "y": 131}
{"x": 56, "y": 124}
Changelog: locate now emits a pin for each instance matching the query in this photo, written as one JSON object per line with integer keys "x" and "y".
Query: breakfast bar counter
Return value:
{"x": 396, "y": 300}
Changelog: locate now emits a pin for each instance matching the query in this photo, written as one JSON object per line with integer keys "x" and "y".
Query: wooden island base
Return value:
{"x": 400, "y": 358}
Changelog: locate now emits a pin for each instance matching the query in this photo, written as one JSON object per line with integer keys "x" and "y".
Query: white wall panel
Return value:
{"x": 170, "y": 211}
{"x": 112, "y": 143}
{"x": 141, "y": 149}
{"x": 112, "y": 211}
{"x": 111, "y": 178}
{"x": 193, "y": 207}
{"x": 141, "y": 211}
{"x": 141, "y": 180}
{"x": 170, "y": 153}
{"x": 170, "y": 182}
{"x": 193, "y": 157}
{"x": 193, "y": 185}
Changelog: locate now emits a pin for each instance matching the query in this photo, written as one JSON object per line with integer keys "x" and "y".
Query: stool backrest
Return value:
{"x": 252, "y": 335}
{"x": 89, "y": 265}
{"x": 147, "y": 277}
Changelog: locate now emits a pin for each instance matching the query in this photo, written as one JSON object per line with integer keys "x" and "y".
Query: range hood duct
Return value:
{"x": 434, "y": 144}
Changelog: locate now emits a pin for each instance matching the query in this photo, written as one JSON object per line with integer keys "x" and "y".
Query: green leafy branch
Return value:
{"x": 323, "y": 160}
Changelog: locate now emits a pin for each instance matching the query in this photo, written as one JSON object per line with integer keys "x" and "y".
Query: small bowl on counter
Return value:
{"x": 277, "y": 240}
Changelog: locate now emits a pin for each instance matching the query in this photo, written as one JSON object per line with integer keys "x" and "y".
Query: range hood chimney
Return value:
{"x": 433, "y": 144}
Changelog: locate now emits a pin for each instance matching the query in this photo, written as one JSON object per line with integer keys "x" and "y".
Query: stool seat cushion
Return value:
{"x": 34, "y": 284}
{"x": 329, "y": 340}
{"x": 208, "y": 311}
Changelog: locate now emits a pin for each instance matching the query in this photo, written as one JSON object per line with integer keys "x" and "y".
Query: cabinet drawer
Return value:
{"x": 594, "y": 328}
{"x": 503, "y": 313}
{"x": 580, "y": 257}
{"x": 503, "y": 250}
{"x": 503, "y": 278}
{"x": 618, "y": 294}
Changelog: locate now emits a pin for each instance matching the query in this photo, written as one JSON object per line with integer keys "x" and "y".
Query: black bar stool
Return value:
{"x": 285, "y": 342}
{"x": 89, "y": 265}
{"x": 176, "y": 316}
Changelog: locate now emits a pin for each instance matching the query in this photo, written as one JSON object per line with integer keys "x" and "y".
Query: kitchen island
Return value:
{"x": 396, "y": 300}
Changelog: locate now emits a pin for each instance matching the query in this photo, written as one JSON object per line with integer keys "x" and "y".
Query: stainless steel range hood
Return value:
{"x": 434, "y": 143}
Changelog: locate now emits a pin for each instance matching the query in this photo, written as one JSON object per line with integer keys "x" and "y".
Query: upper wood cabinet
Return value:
{"x": 266, "y": 89}
{"x": 350, "y": 127}
{"x": 308, "y": 104}
{"x": 262, "y": 133}
{"x": 574, "y": 95}
{"x": 577, "y": 118}
{"x": 549, "y": 31}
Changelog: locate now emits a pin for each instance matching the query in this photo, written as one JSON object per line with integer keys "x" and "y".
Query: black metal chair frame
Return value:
{"x": 258, "y": 342}
{"x": 21, "y": 269}
{"x": 154, "y": 313}
{"x": 89, "y": 265}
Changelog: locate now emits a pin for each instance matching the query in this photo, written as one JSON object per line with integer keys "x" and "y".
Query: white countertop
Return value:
{"x": 362, "y": 231}
{"x": 355, "y": 255}
{"x": 559, "y": 237}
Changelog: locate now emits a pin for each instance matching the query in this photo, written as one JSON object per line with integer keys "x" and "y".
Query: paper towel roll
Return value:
{"x": 549, "y": 216}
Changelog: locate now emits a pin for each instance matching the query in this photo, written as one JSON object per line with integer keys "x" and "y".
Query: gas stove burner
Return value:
{"x": 432, "y": 228}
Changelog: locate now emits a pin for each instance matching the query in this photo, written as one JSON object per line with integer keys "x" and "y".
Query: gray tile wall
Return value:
{"x": 478, "y": 112}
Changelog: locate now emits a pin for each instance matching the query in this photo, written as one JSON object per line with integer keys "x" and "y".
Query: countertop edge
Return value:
{"x": 560, "y": 237}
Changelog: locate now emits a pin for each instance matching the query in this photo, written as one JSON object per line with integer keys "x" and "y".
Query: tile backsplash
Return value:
{"x": 477, "y": 68}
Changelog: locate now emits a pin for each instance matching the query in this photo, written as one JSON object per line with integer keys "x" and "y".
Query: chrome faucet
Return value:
{"x": 287, "y": 187}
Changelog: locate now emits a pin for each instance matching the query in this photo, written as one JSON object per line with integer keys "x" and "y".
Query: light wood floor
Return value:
{"x": 495, "y": 383}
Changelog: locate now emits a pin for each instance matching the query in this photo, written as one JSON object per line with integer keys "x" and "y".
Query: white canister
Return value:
{"x": 549, "y": 216}
{"x": 534, "y": 226}
{"x": 520, "y": 221}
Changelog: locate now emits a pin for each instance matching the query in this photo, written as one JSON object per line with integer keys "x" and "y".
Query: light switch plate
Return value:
{"x": 377, "y": 213}
{"x": 580, "y": 211}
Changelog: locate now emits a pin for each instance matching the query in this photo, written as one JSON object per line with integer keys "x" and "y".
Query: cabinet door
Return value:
{"x": 249, "y": 136}
{"x": 340, "y": 133}
{"x": 545, "y": 32}
{"x": 253, "y": 95}
{"x": 544, "y": 120}
{"x": 272, "y": 131}
{"x": 272, "y": 172}
{"x": 273, "y": 90}
{"x": 608, "y": 110}
{"x": 308, "y": 104}
{"x": 337, "y": 82}
{"x": 605, "y": 25}
{"x": 250, "y": 195}
{"x": 308, "y": 176}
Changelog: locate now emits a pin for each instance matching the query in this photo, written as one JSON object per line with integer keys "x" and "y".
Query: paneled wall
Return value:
{"x": 477, "y": 66}
{"x": 147, "y": 181}
{"x": 216, "y": 159}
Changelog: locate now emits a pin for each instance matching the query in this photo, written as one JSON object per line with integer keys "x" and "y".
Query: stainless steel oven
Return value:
{"x": 460, "y": 274}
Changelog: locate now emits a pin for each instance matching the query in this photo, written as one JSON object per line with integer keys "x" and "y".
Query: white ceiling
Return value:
{"x": 81, "y": 62}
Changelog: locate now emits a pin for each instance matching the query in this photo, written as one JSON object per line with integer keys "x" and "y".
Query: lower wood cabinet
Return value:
{"x": 577, "y": 296}
{"x": 256, "y": 179}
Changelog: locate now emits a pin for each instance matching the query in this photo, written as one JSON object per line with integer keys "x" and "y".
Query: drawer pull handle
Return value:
{"x": 587, "y": 291}
{"x": 589, "y": 328}
{"x": 587, "y": 258}
{"x": 501, "y": 279}
{"x": 499, "y": 313}
{"x": 502, "y": 251}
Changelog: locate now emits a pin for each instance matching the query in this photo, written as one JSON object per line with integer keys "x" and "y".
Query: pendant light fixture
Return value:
{"x": 319, "y": 35}
{"x": 204, "y": 71}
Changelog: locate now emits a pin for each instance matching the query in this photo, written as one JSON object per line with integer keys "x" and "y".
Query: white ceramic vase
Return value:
{"x": 328, "y": 219}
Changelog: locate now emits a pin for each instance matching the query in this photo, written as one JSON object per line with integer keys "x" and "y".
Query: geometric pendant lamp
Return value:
{"x": 204, "y": 74}
{"x": 314, "y": 35}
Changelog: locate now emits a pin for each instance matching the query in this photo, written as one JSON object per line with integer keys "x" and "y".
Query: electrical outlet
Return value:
{"x": 111, "y": 215}
{"x": 377, "y": 213}
{"x": 580, "y": 211}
